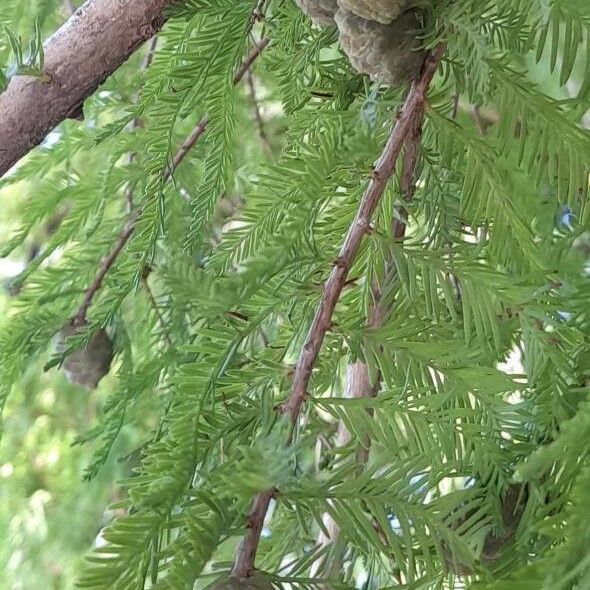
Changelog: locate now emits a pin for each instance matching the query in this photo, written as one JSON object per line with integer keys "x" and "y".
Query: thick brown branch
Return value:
{"x": 88, "y": 47}
{"x": 406, "y": 121}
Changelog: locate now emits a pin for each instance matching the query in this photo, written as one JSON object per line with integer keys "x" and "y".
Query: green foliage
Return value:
{"x": 482, "y": 358}
{"x": 32, "y": 64}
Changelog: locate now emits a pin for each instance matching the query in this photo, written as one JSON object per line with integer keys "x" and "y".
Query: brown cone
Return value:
{"x": 389, "y": 54}
{"x": 86, "y": 366}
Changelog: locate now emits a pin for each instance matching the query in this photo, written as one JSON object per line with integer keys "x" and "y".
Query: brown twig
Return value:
{"x": 247, "y": 63}
{"x": 200, "y": 127}
{"x": 105, "y": 265}
{"x": 256, "y": 15}
{"x": 358, "y": 383}
{"x": 186, "y": 146}
{"x": 257, "y": 114}
{"x": 405, "y": 124}
{"x": 452, "y": 277}
{"x": 413, "y": 107}
{"x": 107, "y": 262}
{"x": 246, "y": 551}
{"x": 154, "y": 304}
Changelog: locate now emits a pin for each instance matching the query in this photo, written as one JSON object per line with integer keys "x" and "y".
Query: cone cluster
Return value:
{"x": 378, "y": 36}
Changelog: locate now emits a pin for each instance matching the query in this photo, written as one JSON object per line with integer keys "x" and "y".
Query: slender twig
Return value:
{"x": 149, "y": 56}
{"x": 256, "y": 15}
{"x": 247, "y": 63}
{"x": 129, "y": 189}
{"x": 200, "y": 127}
{"x": 186, "y": 146}
{"x": 412, "y": 109}
{"x": 151, "y": 298}
{"x": 107, "y": 262}
{"x": 358, "y": 383}
{"x": 104, "y": 267}
{"x": 451, "y": 276}
{"x": 257, "y": 115}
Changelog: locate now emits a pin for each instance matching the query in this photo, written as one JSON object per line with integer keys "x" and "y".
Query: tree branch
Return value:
{"x": 246, "y": 551}
{"x": 358, "y": 383}
{"x": 154, "y": 304}
{"x": 413, "y": 107}
{"x": 406, "y": 123}
{"x": 200, "y": 127}
{"x": 129, "y": 227}
{"x": 257, "y": 115}
{"x": 105, "y": 265}
{"x": 83, "y": 52}
{"x": 254, "y": 53}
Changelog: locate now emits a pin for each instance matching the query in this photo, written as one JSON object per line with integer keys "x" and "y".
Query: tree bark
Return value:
{"x": 79, "y": 56}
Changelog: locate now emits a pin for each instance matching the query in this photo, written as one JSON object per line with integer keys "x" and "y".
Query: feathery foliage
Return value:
{"x": 480, "y": 363}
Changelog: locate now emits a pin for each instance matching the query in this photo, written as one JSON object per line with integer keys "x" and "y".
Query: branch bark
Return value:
{"x": 79, "y": 56}
{"x": 405, "y": 126}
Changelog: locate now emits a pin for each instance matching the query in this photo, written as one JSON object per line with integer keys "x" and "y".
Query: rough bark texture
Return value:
{"x": 92, "y": 44}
